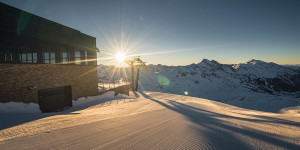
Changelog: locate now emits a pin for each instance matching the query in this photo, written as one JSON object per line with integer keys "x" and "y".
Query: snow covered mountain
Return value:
{"x": 236, "y": 84}
{"x": 296, "y": 67}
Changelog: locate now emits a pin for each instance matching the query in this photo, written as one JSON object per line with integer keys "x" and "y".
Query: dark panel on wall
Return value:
{"x": 55, "y": 99}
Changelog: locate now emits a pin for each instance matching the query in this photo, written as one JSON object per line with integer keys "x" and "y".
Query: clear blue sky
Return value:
{"x": 229, "y": 31}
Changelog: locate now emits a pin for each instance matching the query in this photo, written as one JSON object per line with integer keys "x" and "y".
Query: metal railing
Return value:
{"x": 105, "y": 86}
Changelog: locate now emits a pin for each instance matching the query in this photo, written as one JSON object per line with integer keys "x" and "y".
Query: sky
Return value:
{"x": 182, "y": 32}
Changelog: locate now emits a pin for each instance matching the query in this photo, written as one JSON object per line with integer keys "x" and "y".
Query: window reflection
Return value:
{"x": 77, "y": 58}
{"x": 52, "y": 58}
{"x": 86, "y": 57}
{"x": 49, "y": 57}
{"x": 34, "y": 55}
{"x": 65, "y": 58}
{"x": 28, "y": 58}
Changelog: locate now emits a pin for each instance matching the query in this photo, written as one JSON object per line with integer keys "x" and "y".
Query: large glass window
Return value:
{"x": 46, "y": 57}
{"x": 86, "y": 57}
{"x": 65, "y": 57}
{"x": 34, "y": 57}
{"x": 77, "y": 57}
{"x": 49, "y": 57}
{"x": 23, "y": 58}
{"x": 28, "y": 58}
{"x": 52, "y": 58}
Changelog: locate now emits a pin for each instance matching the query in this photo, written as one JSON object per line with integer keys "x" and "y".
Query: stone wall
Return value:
{"x": 15, "y": 80}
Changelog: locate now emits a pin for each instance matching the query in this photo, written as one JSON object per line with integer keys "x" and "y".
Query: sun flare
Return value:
{"x": 120, "y": 57}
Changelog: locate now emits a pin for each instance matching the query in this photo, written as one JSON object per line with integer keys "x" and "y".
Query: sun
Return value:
{"x": 120, "y": 57}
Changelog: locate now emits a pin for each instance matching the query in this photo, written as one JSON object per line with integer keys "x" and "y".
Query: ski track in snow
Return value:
{"x": 153, "y": 120}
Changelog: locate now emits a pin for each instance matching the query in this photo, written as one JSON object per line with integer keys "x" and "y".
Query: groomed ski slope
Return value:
{"x": 151, "y": 120}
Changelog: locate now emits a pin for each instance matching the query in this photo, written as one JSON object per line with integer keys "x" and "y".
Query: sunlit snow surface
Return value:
{"x": 151, "y": 120}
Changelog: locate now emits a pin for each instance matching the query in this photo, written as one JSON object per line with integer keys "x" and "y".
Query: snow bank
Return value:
{"x": 18, "y": 107}
{"x": 94, "y": 99}
{"x": 292, "y": 110}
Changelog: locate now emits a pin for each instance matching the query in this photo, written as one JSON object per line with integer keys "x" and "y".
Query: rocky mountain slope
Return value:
{"x": 253, "y": 83}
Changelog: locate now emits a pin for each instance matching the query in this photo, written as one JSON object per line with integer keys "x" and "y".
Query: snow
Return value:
{"x": 92, "y": 100}
{"x": 296, "y": 66}
{"x": 107, "y": 86}
{"x": 250, "y": 85}
{"x": 151, "y": 120}
{"x": 18, "y": 107}
{"x": 220, "y": 112}
{"x": 262, "y": 69}
{"x": 42, "y": 122}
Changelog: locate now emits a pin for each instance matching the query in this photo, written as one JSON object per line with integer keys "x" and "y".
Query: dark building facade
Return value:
{"x": 38, "y": 54}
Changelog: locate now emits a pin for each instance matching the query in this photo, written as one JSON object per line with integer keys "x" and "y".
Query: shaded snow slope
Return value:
{"x": 32, "y": 108}
{"x": 296, "y": 67}
{"x": 18, "y": 107}
{"x": 263, "y": 70}
{"x": 251, "y": 85}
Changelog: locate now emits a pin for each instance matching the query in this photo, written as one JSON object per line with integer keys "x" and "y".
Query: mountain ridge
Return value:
{"x": 252, "y": 81}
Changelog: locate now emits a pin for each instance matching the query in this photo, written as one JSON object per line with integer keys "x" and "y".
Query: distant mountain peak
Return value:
{"x": 255, "y": 61}
{"x": 209, "y": 62}
{"x": 210, "y": 76}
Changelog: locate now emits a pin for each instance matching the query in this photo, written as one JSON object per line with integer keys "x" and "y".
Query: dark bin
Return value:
{"x": 55, "y": 99}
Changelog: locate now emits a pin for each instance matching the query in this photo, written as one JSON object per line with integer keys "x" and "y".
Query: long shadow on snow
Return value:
{"x": 273, "y": 109}
{"x": 220, "y": 133}
{"x": 9, "y": 120}
{"x": 266, "y": 118}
